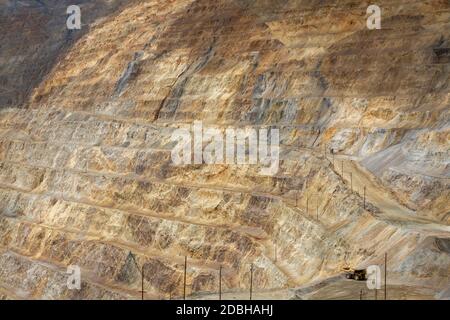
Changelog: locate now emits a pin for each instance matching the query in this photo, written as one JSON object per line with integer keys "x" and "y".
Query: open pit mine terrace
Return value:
{"x": 88, "y": 185}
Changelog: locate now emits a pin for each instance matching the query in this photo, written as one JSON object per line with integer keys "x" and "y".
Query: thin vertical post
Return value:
{"x": 251, "y": 281}
{"x": 307, "y": 204}
{"x": 342, "y": 168}
{"x": 385, "y": 276}
{"x": 317, "y": 208}
{"x": 360, "y": 294}
{"x": 364, "y": 198}
{"x": 185, "y": 271}
{"x": 351, "y": 181}
{"x": 220, "y": 283}
{"x": 276, "y": 253}
{"x": 142, "y": 282}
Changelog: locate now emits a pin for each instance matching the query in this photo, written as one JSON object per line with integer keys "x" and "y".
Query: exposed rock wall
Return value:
{"x": 34, "y": 36}
{"x": 86, "y": 175}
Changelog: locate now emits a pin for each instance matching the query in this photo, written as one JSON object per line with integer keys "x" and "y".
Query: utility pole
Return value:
{"x": 307, "y": 204}
{"x": 184, "y": 286}
{"x": 364, "y": 198}
{"x": 276, "y": 251}
{"x": 317, "y": 208}
{"x": 130, "y": 254}
{"x": 385, "y": 276}
{"x": 351, "y": 181}
{"x": 251, "y": 281}
{"x": 220, "y": 283}
{"x": 142, "y": 282}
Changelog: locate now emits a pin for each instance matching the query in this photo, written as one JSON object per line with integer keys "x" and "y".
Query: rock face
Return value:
{"x": 34, "y": 35}
{"x": 87, "y": 179}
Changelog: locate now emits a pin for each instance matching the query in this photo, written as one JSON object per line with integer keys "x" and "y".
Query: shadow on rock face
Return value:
{"x": 36, "y": 31}
{"x": 443, "y": 245}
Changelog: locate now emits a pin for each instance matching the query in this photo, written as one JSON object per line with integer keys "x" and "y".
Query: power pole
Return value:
{"x": 385, "y": 276}
{"x": 351, "y": 181}
{"x": 141, "y": 270}
{"x": 317, "y": 208}
{"x": 142, "y": 281}
{"x": 184, "y": 286}
{"x": 220, "y": 283}
{"x": 276, "y": 251}
{"x": 364, "y": 198}
{"x": 251, "y": 281}
{"x": 307, "y": 204}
